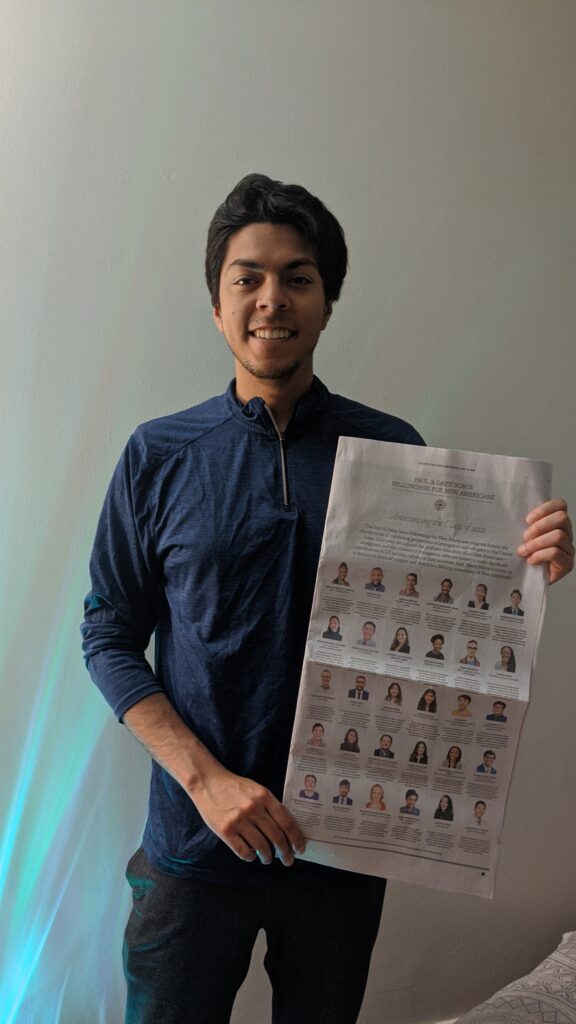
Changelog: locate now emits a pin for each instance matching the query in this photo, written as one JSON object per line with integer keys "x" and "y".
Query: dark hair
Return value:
{"x": 370, "y": 623}
{"x": 448, "y": 814}
{"x": 389, "y": 694}
{"x": 511, "y": 667}
{"x": 257, "y": 199}
{"x": 437, "y": 636}
{"x": 479, "y": 803}
{"x": 414, "y": 755}
{"x": 411, "y": 792}
{"x": 422, "y": 706}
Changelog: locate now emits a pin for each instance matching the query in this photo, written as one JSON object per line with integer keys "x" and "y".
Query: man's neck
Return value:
{"x": 279, "y": 395}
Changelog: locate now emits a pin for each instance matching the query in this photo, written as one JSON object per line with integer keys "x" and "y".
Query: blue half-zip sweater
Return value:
{"x": 209, "y": 537}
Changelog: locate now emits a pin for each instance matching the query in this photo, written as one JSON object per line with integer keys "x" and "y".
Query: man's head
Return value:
{"x": 257, "y": 199}
{"x": 446, "y": 587}
{"x": 344, "y": 787}
{"x": 385, "y": 741}
{"x": 471, "y": 648}
{"x": 411, "y": 581}
{"x": 515, "y": 598}
{"x": 360, "y": 683}
{"x": 411, "y": 798}
{"x": 325, "y": 679}
{"x": 488, "y": 757}
{"x": 479, "y": 808}
{"x": 309, "y": 783}
{"x": 463, "y": 701}
{"x": 376, "y": 576}
{"x": 368, "y": 630}
{"x": 498, "y": 707}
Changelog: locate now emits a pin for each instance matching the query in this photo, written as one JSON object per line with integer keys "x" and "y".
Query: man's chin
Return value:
{"x": 279, "y": 373}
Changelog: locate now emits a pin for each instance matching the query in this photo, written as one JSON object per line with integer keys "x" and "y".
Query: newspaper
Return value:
{"x": 422, "y": 639}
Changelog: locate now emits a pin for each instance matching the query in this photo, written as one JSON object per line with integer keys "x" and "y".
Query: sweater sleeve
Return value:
{"x": 122, "y": 607}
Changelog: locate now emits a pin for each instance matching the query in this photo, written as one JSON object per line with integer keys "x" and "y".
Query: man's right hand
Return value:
{"x": 247, "y": 817}
{"x": 243, "y": 814}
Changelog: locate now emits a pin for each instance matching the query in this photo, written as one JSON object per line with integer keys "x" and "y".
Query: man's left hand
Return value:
{"x": 549, "y": 538}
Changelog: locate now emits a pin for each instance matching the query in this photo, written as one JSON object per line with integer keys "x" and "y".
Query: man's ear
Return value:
{"x": 327, "y": 315}
{"x": 218, "y": 318}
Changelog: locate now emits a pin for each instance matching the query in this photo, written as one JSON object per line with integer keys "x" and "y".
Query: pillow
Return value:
{"x": 546, "y": 996}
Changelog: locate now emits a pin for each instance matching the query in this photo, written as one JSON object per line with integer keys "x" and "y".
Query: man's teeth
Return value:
{"x": 272, "y": 334}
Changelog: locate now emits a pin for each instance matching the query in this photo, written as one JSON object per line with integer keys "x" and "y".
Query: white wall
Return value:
{"x": 442, "y": 133}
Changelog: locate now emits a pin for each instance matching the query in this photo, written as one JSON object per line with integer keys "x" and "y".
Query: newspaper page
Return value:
{"x": 422, "y": 639}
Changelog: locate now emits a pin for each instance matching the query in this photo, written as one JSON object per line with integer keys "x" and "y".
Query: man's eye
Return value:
{"x": 244, "y": 280}
{"x": 300, "y": 279}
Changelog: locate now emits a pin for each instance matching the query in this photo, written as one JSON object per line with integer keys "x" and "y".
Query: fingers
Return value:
{"x": 249, "y": 819}
{"x": 546, "y": 508}
{"x": 548, "y": 539}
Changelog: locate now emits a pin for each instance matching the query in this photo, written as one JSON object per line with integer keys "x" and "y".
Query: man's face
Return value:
{"x": 344, "y": 788}
{"x": 376, "y": 577}
{"x": 271, "y": 306}
{"x": 386, "y": 742}
{"x": 472, "y": 649}
{"x": 410, "y": 583}
{"x": 489, "y": 760}
{"x": 497, "y": 709}
{"x": 514, "y": 599}
{"x": 360, "y": 683}
{"x": 367, "y": 631}
{"x": 445, "y": 587}
{"x": 463, "y": 703}
{"x": 411, "y": 800}
{"x": 325, "y": 680}
{"x": 480, "y": 809}
{"x": 309, "y": 783}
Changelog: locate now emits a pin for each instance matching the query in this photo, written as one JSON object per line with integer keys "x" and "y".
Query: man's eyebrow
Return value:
{"x": 302, "y": 261}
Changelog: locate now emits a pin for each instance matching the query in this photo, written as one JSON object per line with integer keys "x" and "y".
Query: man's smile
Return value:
{"x": 271, "y": 333}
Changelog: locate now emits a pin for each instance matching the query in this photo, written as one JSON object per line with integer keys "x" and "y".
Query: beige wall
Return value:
{"x": 443, "y": 135}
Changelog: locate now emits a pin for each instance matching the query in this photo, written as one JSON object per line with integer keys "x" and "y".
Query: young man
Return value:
{"x": 203, "y": 506}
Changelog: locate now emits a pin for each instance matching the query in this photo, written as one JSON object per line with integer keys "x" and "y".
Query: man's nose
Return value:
{"x": 272, "y": 295}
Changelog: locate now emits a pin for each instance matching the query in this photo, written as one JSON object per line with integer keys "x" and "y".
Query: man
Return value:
{"x": 487, "y": 766}
{"x": 411, "y": 799}
{"x": 384, "y": 749}
{"x": 359, "y": 691}
{"x": 437, "y": 642}
{"x": 325, "y": 679}
{"x": 343, "y": 798}
{"x": 479, "y": 811}
{"x": 409, "y": 589}
{"x": 444, "y": 596}
{"x": 309, "y": 791}
{"x": 498, "y": 708}
{"x": 203, "y": 507}
{"x": 463, "y": 710}
{"x": 514, "y": 607}
{"x": 375, "y": 582}
{"x": 367, "y": 638}
{"x": 471, "y": 657}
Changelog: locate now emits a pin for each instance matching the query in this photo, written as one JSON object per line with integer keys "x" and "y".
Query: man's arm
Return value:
{"x": 243, "y": 814}
{"x": 548, "y": 540}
